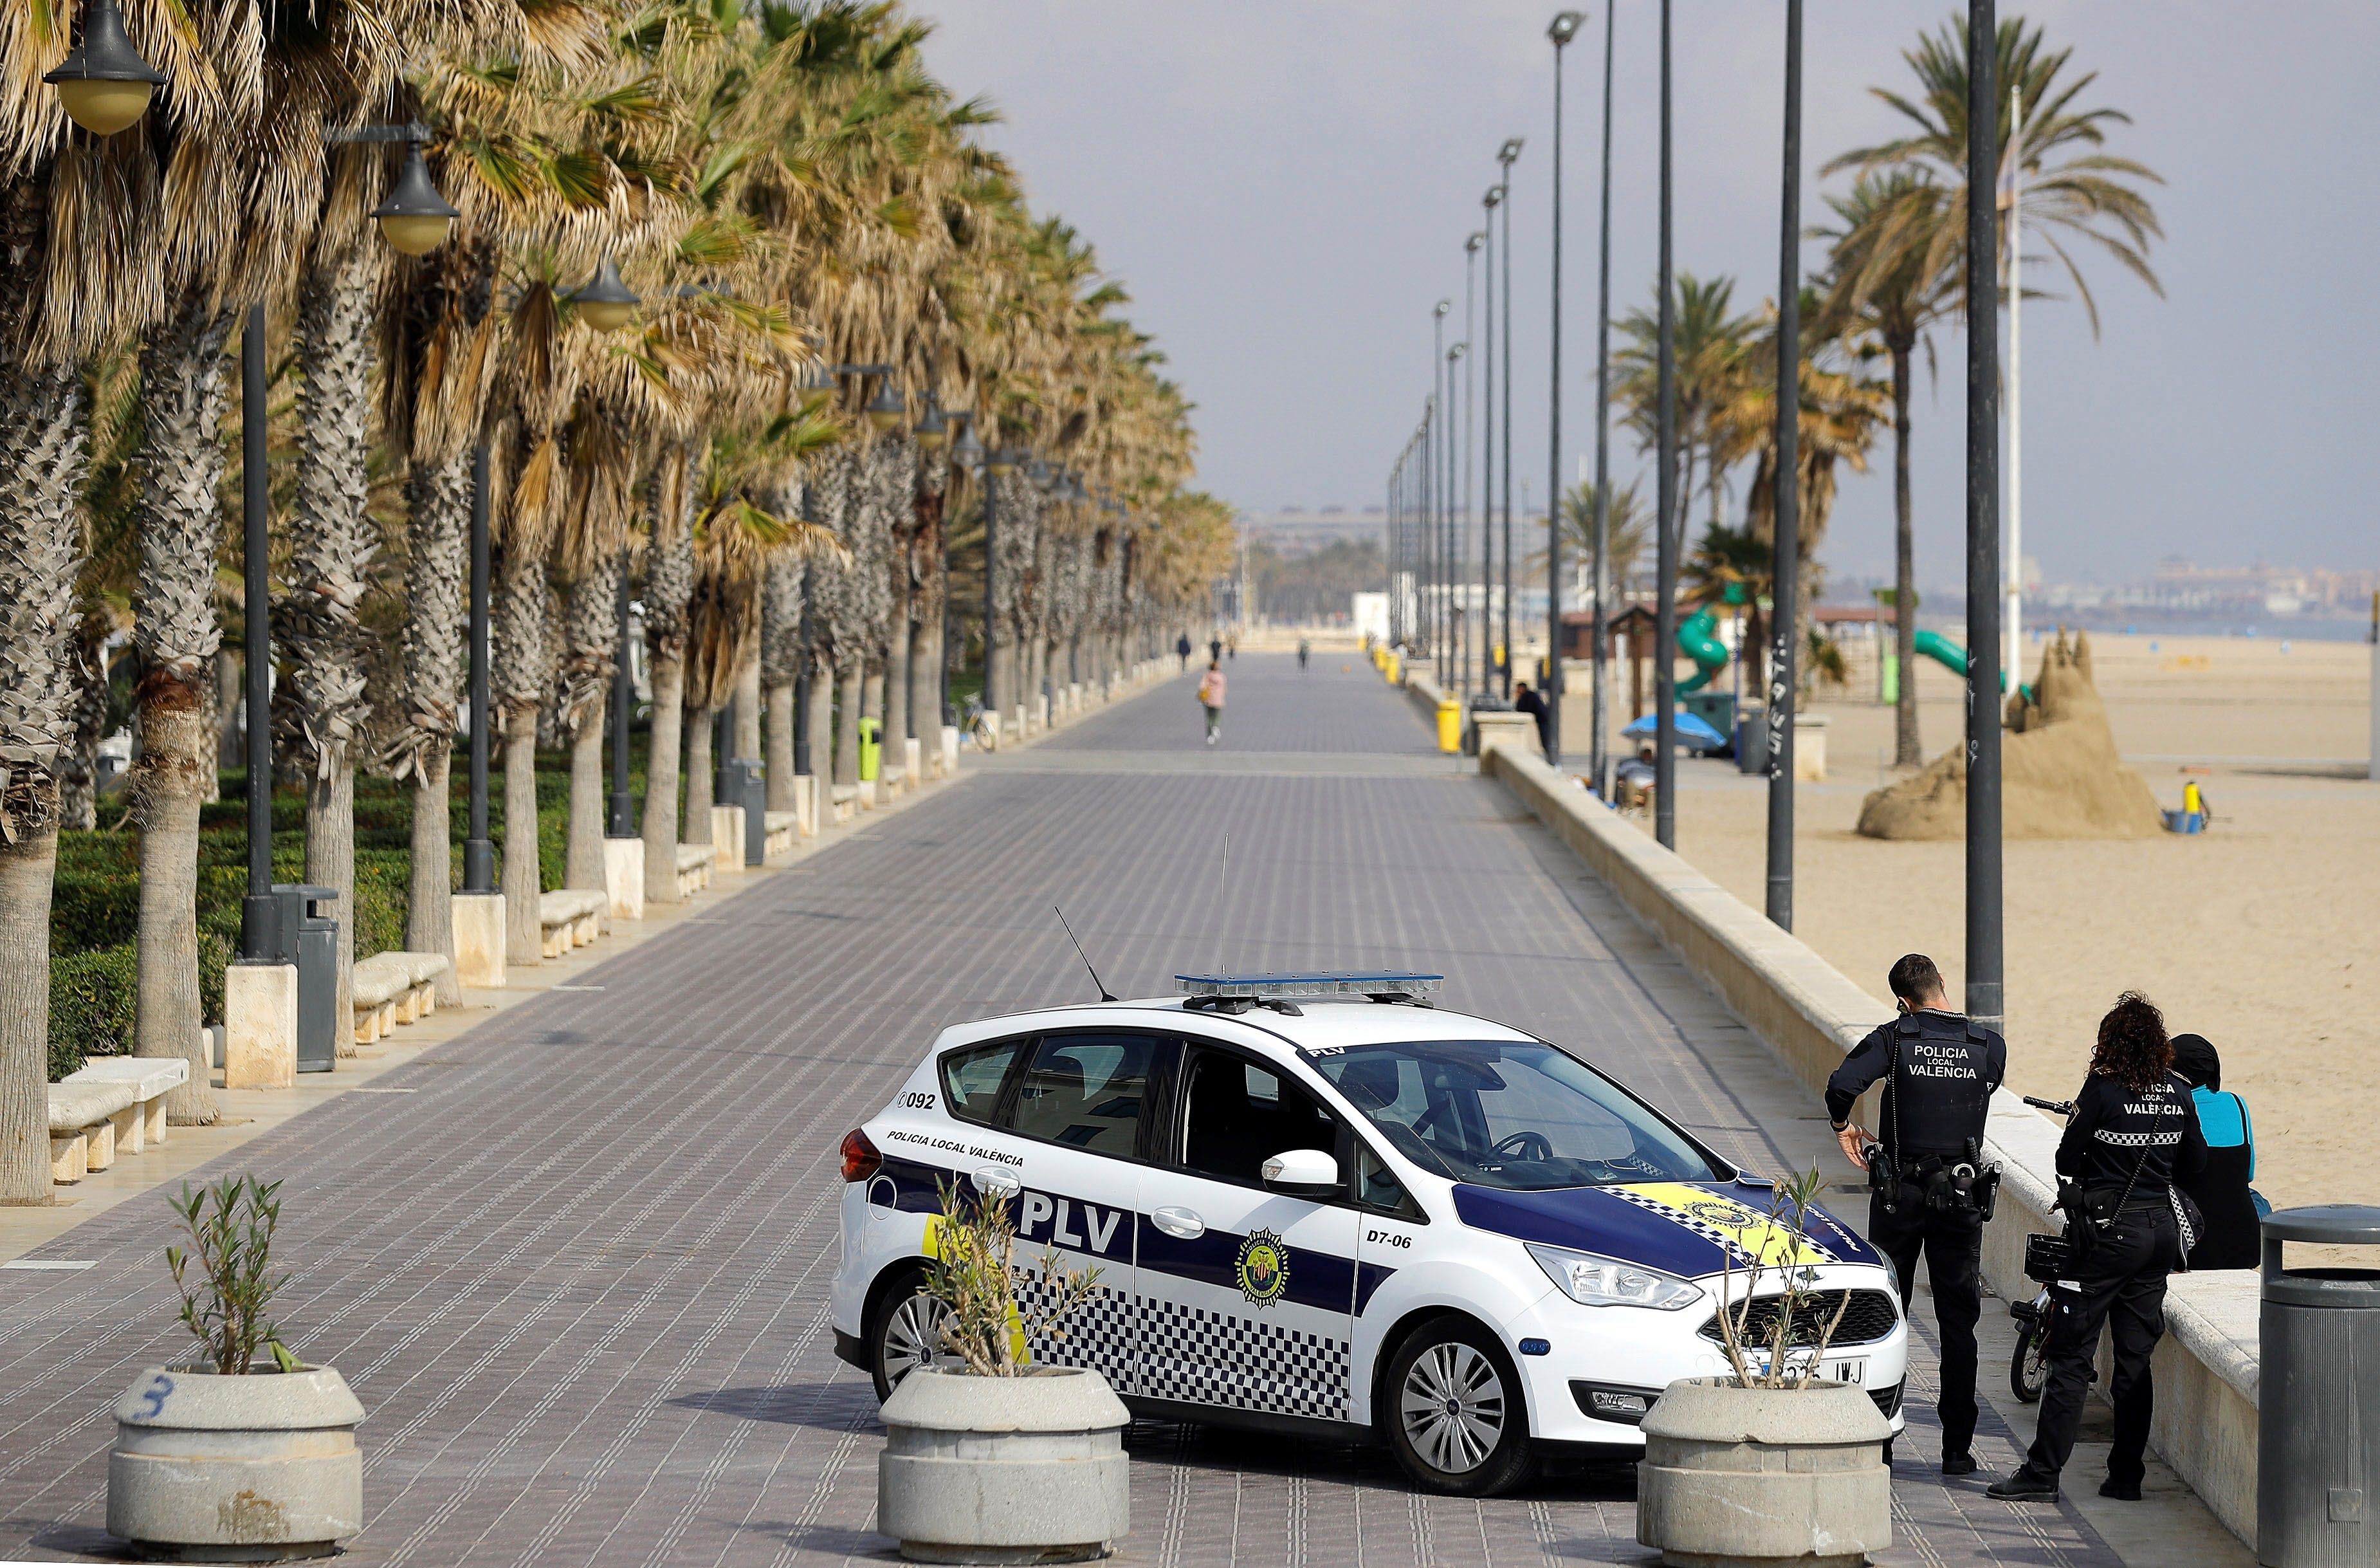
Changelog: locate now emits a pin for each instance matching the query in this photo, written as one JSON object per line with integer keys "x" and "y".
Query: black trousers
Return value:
{"x": 1952, "y": 1245}
{"x": 2122, "y": 1288}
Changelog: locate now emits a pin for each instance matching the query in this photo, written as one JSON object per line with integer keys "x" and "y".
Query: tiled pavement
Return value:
{"x": 575, "y": 1263}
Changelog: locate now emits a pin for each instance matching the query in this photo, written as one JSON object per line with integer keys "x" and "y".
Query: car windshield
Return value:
{"x": 1509, "y": 1114}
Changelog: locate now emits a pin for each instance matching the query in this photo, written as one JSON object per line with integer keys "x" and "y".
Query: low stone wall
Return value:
{"x": 1811, "y": 1014}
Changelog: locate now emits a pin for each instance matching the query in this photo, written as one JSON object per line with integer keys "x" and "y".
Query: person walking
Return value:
{"x": 1182, "y": 646}
{"x": 1210, "y": 698}
{"x": 2134, "y": 1134}
{"x": 1303, "y": 649}
{"x": 2232, "y": 1233}
{"x": 1930, "y": 1190}
{"x": 1215, "y": 649}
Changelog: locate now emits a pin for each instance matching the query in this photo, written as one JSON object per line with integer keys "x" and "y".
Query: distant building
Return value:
{"x": 1299, "y": 531}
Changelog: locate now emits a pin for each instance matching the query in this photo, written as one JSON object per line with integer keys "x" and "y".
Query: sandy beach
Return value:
{"x": 2257, "y": 933}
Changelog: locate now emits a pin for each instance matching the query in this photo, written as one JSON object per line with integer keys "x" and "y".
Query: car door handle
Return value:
{"x": 1179, "y": 1223}
{"x": 992, "y": 1178}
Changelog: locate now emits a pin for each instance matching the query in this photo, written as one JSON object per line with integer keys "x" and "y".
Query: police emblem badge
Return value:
{"x": 1263, "y": 1268}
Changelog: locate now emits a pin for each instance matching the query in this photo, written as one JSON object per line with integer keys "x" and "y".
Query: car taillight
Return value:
{"x": 860, "y": 1159}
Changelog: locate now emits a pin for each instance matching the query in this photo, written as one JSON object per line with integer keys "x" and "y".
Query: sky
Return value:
{"x": 1284, "y": 187}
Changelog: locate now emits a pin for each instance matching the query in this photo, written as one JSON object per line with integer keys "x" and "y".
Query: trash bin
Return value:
{"x": 1450, "y": 725}
{"x": 2317, "y": 1477}
{"x": 1481, "y": 703}
{"x": 309, "y": 941}
{"x": 871, "y": 749}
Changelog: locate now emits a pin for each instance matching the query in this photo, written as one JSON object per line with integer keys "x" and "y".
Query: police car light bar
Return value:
{"x": 1367, "y": 983}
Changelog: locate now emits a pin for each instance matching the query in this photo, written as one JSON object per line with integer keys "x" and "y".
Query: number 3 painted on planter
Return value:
{"x": 153, "y": 1396}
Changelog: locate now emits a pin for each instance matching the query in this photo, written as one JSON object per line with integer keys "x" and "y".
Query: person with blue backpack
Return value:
{"x": 2232, "y": 1236}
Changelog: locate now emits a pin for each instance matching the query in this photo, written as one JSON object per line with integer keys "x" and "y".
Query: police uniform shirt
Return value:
{"x": 1942, "y": 1091}
{"x": 2116, "y": 1130}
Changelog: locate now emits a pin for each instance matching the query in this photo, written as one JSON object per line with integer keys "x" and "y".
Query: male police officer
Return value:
{"x": 1931, "y": 1192}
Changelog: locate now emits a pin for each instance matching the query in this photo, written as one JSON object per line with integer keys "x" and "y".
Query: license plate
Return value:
{"x": 1851, "y": 1372}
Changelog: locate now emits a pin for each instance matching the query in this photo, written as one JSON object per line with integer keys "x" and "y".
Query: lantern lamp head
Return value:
{"x": 103, "y": 83}
{"x": 416, "y": 219}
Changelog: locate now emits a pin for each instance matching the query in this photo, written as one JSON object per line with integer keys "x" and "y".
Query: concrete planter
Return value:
{"x": 1024, "y": 1469}
{"x": 1763, "y": 1476}
{"x": 256, "y": 1469}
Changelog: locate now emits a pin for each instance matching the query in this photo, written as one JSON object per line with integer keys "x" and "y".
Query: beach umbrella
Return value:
{"x": 1692, "y": 732}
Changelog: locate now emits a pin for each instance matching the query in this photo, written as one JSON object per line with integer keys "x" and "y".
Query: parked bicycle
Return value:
{"x": 2028, "y": 1364}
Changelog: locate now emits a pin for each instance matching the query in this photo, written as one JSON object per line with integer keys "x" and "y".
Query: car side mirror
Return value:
{"x": 1304, "y": 1173}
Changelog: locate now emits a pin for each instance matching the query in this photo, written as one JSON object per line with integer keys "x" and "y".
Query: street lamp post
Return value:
{"x": 1458, "y": 485}
{"x": 478, "y": 850}
{"x": 1985, "y": 997}
{"x": 1487, "y": 205}
{"x": 1506, "y": 155}
{"x": 1788, "y": 560}
{"x": 1665, "y": 617}
{"x": 1563, "y": 29}
{"x": 1467, "y": 636}
{"x": 1599, "y": 759}
{"x": 259, "y": 935}
{"x": 1442, "y": 509}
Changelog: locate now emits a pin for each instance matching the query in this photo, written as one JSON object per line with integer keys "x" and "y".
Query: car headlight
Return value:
{"x": 1593, "y": 1281}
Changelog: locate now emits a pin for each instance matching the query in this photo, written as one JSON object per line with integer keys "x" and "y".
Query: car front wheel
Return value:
{"x": 1456, "y": 1417}
{"x": 907, "y": 1332}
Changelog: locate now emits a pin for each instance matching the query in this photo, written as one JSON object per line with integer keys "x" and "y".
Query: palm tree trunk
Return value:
{"x": 584, "y": 865}
{"x": 821, "y": 726}
{"x": 430, "y": 885}
{"x": 230, "y": 739}
{"x": 924, "y": 664}
{"x": 79, "y": 758}
{"x": 1906, "y": 752}
{"x": 850, "y": 702}
{"x": 43, "y": 454}
{"x": 438, "y": 519}
{"x": 177, "y": 635}
{"x": 521, "y": 882}
{"x": 780, "y": 746}
{"x": 662, "y": 777}
{"x": 332, "y": 549}
{"x": 701, "y": 774}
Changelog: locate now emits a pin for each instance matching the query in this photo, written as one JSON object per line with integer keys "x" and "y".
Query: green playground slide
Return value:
{"x": 1709, "y": 654}
{"x": 1942, "y": 651}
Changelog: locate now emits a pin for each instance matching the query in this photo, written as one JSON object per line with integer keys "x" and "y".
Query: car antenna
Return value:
{"x": 1104, "y": 994}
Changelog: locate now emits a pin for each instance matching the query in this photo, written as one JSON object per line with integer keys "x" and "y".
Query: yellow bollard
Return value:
{"x": 1450, "y": 725}
{"x": 1394, "y": 670}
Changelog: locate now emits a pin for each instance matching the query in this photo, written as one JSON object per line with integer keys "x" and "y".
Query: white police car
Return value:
{"x": 1343, "y": 1214}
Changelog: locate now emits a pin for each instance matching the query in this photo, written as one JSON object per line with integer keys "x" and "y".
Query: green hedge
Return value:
{"x": 91, "y": 1006}
{"x": 96, "y": 903}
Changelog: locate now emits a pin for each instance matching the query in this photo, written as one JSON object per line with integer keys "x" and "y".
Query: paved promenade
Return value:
{"x": 575, "y": 1261}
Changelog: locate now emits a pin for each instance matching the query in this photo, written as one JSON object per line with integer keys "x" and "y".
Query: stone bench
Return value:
{"x": 844, "y": 799}
{"x": 568, "y": 918}
{"x": 393, "y": 988}
{"x": 784, "y": 830}
{"x": 114, "y": 1105}
{"x": 694, "y": 864}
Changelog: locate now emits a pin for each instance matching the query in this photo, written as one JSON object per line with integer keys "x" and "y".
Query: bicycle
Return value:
{"x": 977, "y": 722}
{"x": 2029, "y": 1363}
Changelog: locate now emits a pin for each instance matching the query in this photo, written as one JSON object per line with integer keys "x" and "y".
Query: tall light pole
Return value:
{"x": 1505, "y": 155}
{"x": 1563, "y": 29}
{"x": 1985, "y": 997}
{"x": 1599, "y": 757}
{"x": 1442, "y": 520}
{"x": 1470, "y": 246}
{"x": 1788, "y": 561}
{"x": 260, "y": 926}
{"x": 1459, "y": 478}
{"x": 1665, "y": 609}
{"x": 1487, "y": 205}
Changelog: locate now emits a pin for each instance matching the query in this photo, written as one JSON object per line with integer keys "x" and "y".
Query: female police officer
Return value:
{"x": 2134, "y": 1132}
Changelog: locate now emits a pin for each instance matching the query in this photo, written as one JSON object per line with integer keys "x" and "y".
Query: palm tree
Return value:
{"x": 1901, "y": 235}
{"x": 1709, "y": 347}
{"x": 1887, "y": 285}
{"x": 1628, "y": 539}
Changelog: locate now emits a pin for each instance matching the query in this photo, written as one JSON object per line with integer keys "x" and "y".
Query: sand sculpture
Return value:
{"x": 2060, "y": 777}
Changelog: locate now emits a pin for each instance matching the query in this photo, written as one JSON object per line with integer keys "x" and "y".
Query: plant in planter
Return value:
{"x": 989, "y": 1457}
{"x": 233, "y": 1456}
{"x": 1774, "y": 1463}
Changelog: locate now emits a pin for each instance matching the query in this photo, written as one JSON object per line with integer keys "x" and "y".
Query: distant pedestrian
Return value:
{"x": 1529, "y": 702}
{"x": 1303, "y": 649}
{"x": 1210, "y": 698}
{"x": 1231, "y": 645}
{"x": 1215, "y": 649}
{"x": 1182, "y": 646}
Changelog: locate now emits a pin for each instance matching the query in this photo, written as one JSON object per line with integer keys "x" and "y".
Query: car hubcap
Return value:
{"x": 913, "y": 1336}
{"x": 1452, "y": 1407}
